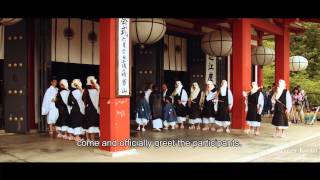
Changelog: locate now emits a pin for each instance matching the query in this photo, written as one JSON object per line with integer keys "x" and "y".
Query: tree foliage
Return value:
{"x": 307, "y": 45}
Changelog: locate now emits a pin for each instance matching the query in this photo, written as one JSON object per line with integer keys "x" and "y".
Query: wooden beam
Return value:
{"x": 266, "y": 26}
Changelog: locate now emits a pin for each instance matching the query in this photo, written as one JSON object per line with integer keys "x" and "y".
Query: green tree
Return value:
{"x": 306, "y": 44}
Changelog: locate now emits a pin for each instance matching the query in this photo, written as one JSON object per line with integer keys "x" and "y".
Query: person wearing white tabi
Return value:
{"x": 63, "y": 122}
{"x": 282, "y": 106}
{"x": 48, "y": 107}
{"x": 208, "y": 112}
{"x": 224, "y": 103}
{"x": 195, "y": 108}
{"x": 92, "y": 110}
{"x": 254, "y": 102}
{"x": 180, "y": 99}
{"x": 78, "y": 109}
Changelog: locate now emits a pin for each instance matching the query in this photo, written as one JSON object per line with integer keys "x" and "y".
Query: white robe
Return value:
{"x": 64, "y": 95}
{"x": 147, "y": 94}
{"x": 94, "y": 96}
{"x": 184, "y": 97}
{"x": 77, "y": 94}
{"x": 48, "y": 106}
{"x": 230, "y": 100}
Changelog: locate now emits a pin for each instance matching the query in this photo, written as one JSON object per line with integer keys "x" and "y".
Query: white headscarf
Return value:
{"x": 65, "y": 84}
{"x": 178, "y": 89}
{"x": 91, "y": 79}
{"x": 76, "y": 83}
{"x": 254, "y": 88}
{"x": 280, "y": 88}
{"x": 194, "y": 91}
{"x": 223, "y": 88}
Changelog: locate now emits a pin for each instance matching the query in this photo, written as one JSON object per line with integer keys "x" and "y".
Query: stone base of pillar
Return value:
{"x": 115, "y": 153}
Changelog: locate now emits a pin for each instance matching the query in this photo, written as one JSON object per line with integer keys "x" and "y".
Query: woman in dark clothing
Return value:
{"x": 224, "y": 104}
{"x": 63, "y": 122}
{"x": 78, "y": 109}
{"x": 91, "y": 101}
{"x": 282, "y": 106}
{"x": 169, "y": 114}
{"x": 155, "y": 101}
{"x": 195, "y": 108}
{"x": 143, "y": 112}
{"x": 254, "y": 105}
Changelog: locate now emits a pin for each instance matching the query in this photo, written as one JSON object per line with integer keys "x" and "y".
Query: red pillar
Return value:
{"x": 241, "y": 67}
{"x": 260, "y": 72}
{"x": 114, "y": 111}
{"x": 282, "y": 70}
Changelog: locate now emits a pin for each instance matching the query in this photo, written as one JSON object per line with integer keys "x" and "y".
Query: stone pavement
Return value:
{"x": 36, "y": 147}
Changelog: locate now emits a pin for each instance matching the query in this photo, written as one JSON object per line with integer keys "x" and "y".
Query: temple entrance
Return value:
{"x": 1, "y": 95}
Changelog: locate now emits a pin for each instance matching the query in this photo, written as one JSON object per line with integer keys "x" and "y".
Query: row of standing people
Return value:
{"x": 72, "y": 114}
{"x": 211, "y": 108}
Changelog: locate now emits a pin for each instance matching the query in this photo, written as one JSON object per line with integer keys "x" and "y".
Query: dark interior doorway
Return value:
{"x": 1, "y": 95}
{"x": 170, "y": 77}
{"x": 72, "y": 71}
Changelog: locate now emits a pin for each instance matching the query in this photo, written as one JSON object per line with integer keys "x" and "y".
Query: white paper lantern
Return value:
{"x": 298, "y": 63}
{"x": 217, "y": 43}
{"x": 261, "y": 55}
{"x": 9, "y": 21}
{"x": 147, "y": 30}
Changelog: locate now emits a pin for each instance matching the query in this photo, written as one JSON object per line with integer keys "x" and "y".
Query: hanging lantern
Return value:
{"x": 147, "y": 30}
{"x": 217, "y": 43}
{"x": 261, "y": 55}
{"x": 298, "y": 63}
{"x": 9, "y": 21}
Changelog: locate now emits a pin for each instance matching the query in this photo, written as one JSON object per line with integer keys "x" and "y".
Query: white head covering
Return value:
{"x": 76, "y": 83}
{"x": 194, "y": 91}
{"x": 280, "y": 88}
{"x": 178, "y": 89}
{"x": 91, "y": 78}
{"x": 254, "y": 88}
{"x": 65, "y": 84}
{"x": 223, "y": 88}
{"x": 210, "y": 87}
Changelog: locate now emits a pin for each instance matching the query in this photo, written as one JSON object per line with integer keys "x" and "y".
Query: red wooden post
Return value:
{"x": 282, "y": 70}
{"x": 114, "y": 111}
{"x": 241, "y": 67}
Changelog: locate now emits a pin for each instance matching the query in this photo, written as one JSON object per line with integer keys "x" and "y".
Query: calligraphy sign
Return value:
{"x": 211, "y": 69}
{"x": 123, "y": 57}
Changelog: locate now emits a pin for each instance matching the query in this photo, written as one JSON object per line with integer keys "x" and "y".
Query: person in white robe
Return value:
{"x": 78, "y": 110}
{"x": 180, "y": 99}
{"x": 282, "y": 107}
{"x": 148, "y": 91}
{"x": 195, "y": 107}
{"x": 48, "y": 107}
{"x": 254, "y": 102}
{"x": 92, "y": 110}
{"x": 223, "y": 105}
{"x": 207, "y": 106}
